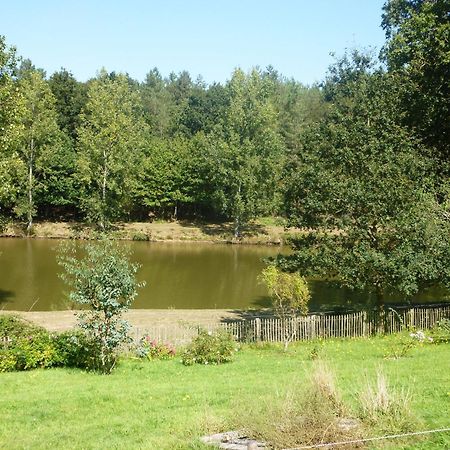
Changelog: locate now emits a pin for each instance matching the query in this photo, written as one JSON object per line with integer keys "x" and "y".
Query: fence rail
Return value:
{"x": 360, "y": 324}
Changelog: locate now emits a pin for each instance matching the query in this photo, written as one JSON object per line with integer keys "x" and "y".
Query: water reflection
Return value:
{"x": 177, "y": 275}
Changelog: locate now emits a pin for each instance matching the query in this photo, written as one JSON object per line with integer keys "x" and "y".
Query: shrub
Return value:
{"x": 104, "y": 280}
{"x": 402, "y": 343}
{"x": 76, "y": 349}
{"x": 152, "y": 349}
{"x": 290, "y": 296}
{"x": 13, "y": 327}
{"x": 25, "y": 346}
{"x": 441, "y": 331}
{"x": 210, "y": 348}
{"x": 29, "y": 352}
{"x": 140, "y": 236}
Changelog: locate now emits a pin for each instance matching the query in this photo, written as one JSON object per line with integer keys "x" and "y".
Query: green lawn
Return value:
{"x": 164, "y": 405}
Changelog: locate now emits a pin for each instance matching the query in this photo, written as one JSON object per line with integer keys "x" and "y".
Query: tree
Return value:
{"x": 290, "y": 296}
{"x": 39, "y": 136}
{"x": 362, "y": 188}
{"x": 245, "y": 153}
{"x": 110, "y": 140}
{"x": 417, "y": 51}
{"x": 104, "y": 280}
{"x": 157, "y": 104}
{"x": 70, "y": 98}
{"x": 11, "y": 101}
{"x": 167, "y": 179}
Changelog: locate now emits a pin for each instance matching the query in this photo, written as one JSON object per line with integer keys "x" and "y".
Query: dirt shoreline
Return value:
{"x": 142, "y": 318}
{"x": 180, "y": 231}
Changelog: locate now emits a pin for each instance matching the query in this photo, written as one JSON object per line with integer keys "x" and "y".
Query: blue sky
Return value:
{"x": 210, "y": 38}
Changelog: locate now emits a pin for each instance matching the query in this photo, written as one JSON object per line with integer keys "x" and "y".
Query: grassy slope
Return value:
{"x": 164, "y": 405}
{"x": 260, "y": 231}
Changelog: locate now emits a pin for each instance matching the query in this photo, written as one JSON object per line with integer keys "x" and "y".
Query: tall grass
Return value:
{"x": 309, "y": 412}
{"x": 386, "y": 409}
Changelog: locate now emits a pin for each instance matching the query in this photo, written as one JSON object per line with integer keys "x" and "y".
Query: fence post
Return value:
{"x": 312, "y": 327}
{"x": 258, "y": 329}
{"x": 364, "y": 324}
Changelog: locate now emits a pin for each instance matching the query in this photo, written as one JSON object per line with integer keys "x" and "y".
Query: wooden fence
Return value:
{"x": 360, "y": 324}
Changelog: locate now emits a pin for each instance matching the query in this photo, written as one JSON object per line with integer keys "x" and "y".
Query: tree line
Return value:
{"x": 361, "y": 158}
{"x": 113, "y": 148}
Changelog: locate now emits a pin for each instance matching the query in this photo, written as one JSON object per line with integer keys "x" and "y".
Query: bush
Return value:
{"x": 441, "y": 331}
{"x": 104, "y": 280}
{"x": 25, "y": 346}
{"x": 13, "y": 327}
{"x": 210, "y": 348}
{"x": 152, "y": 349}
{"x": 140, "y": 236}
{"x": 75, "y": 349}
{"x": 30, "y": 352}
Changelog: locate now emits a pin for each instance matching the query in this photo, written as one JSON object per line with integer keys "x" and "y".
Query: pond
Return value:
{"x": 178, "y": 275}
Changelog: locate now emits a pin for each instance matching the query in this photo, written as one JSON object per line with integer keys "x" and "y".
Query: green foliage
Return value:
{"x": 140, "y": 236}
{"x": 25, "y": 346}
{"x": 13, "y": 327}
{"x": 209, "y": 347}
{"x": 363, "y": 186}
{"x": 245, "y": 152}
{"x": 70, "y": 96}
{"x": 76, "y": 349}
{"x": 168, "y": 176}
{"x": 441, "y": 332}
{"x": 39, "y": 138}
{"x": 110, "y": 139}
{"x": 290, "y": 296}
{"x": 104, "y": 280}
{"x": 152, "y": 349}
{"x": 416, "y": 51}
{"x": 289, "y": 291}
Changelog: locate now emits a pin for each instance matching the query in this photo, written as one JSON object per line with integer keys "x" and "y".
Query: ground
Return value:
{"x": 140, "y": 318}
{"x": 165, "y": 405}
{"x": 262, "y": 231}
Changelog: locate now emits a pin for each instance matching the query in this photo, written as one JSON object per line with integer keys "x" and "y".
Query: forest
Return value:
{"x": 361, "y": 158}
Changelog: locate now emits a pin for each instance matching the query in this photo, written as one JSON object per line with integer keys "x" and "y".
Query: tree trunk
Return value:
{"x": 380, "y": 311}
{"x": 30, "y": 188}
{"x": 105, "y": 176}
{"x": 237, "y": 227}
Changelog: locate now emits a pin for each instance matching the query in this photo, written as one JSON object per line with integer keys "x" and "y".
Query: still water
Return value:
{"x": 177, "y": 275}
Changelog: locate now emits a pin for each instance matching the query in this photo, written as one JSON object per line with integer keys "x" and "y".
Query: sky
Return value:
{"x": 206, "y": 37}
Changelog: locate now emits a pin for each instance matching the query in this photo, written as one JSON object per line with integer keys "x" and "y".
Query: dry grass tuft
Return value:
{"x": 386, "y": 409}
{"x": 309, "y": 413}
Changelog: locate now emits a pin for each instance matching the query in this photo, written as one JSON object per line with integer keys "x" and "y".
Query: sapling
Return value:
{"x": 103, "y": 282}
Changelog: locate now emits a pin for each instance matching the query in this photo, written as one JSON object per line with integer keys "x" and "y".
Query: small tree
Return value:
{"x": 103, "y": 280}
{"x": 290, "y": 295}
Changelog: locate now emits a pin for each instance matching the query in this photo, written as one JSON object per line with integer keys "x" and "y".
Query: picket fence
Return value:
{"x": 313, "y": 326}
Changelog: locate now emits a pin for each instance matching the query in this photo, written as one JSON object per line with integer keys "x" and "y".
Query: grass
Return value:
{"x": 165, "y": 405}
{"x": 264, "y": 231}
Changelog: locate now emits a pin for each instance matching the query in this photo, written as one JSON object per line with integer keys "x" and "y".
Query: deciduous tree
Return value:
{"x": 110, "y": 140}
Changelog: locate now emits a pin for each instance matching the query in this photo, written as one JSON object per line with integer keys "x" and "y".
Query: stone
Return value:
{"x": 232, "y": 440}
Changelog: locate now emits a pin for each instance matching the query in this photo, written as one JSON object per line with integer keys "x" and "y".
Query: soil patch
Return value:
{"x": 254, "y": 233}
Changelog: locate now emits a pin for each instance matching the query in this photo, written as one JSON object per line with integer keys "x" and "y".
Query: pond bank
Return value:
{"x": 178, "y": 231}
{"x": 140, "y": 318}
